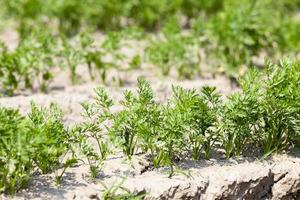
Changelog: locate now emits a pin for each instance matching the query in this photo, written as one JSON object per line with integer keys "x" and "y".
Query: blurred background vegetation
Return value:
{"x": 225, "y": 36}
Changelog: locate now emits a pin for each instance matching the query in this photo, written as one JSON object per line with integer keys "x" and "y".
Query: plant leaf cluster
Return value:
{"x": 225, "y": 35}
{"x": 35, "y": 143}
{"x": 33, "y": 57}
{"x": 71, "y": 15}
{"x": 244, "y": 29}
{"x": 191, "y": 124}
{"x": 31, "y": 65}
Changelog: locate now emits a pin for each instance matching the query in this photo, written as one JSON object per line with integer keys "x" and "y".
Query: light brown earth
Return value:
{"x": 277, "y": 178}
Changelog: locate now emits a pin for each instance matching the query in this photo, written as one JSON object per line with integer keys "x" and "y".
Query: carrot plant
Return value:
{"x": 139, "y": 119}
{"x": 92, "y": 57}
{"x": 33, "y": 57}
{"x": 16, "y": 165}
{"x": 187, "y": 128}
{"x": 185, "y": 125}
{"x": 38, "y": 51}
{"x": 8, "y": 71}
{"x": 91, "y": 130}
{"x": 243, "y": 30}
{"x": 174, "y": 51}
{"x": 264, "y": 114}
{"x": 69, "y": 15}
{"x": 104, "y": 15}
{"x": 26, "y": 13}
{"x": 36, "y": 142}
{"x": 72, "y": 57}
{"x": 280, "y": 104}
{"x": 95, "y": 57}
{"x": 83, "y": 51}
{"x": 240, "y": 116}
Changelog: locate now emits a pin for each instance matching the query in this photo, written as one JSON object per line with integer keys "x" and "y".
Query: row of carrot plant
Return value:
{"x": 222, "y": 35}
{"x": 69, "y": 16}
{"x": 263, "y": 115}
{"x": 31, "y": 64}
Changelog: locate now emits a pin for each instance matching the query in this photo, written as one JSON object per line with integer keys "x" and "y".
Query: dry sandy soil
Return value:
{"x": 277, "y": 178}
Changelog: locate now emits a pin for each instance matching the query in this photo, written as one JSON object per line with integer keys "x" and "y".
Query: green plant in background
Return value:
{"x": 32, "y": 63}
{"x": 224, "y": 34}
{"x": 150, "y": 14}
{"x": 286, "y": 34}
{"x": 136, "y": 62}
{"x": 174, "y": 51}
{"x": 89, "y": 55}
{"x": 93, "y": 57}
{"x": 37, "y": 56}
{"x": 9, "y": 66}
{"x": 243, "y": 30}
{"x": 27, "y": 14}
{"x": 107, "y": 14}
{"x": 111, "y": 45}
{"x": 33, "y": 57}
{"x": 104, "y": 15}
{"x": 72, "y": 57}
{"x": 191, "y": 8}
{"x": 69, "y": 14}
